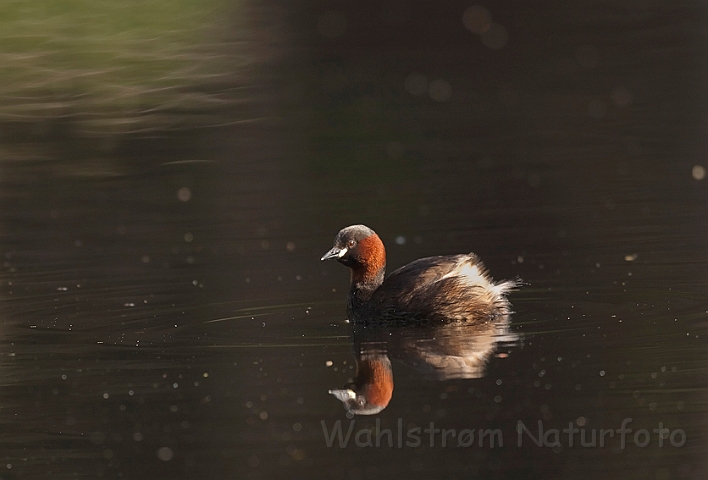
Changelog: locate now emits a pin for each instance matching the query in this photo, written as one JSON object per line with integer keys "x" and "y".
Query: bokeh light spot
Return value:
{"x": 477, "y": 19}
{"x": 698, "y": 172}
{"x": 534, "y": 180}
{"x": 165, "y": 454}
{"x": 184, "y": 194}
{"x": 440, "y": 90}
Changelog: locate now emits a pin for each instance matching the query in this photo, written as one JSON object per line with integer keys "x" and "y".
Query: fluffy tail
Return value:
{"x": 506, "y": 286}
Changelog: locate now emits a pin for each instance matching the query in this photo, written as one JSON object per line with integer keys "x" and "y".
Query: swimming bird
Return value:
{"x": 448, "y": 288}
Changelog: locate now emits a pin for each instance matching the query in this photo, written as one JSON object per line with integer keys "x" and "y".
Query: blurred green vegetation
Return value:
{"x": 115, "y": 66}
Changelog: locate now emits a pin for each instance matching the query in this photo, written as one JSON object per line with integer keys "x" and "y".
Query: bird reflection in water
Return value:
{"x": 441, "y": 352}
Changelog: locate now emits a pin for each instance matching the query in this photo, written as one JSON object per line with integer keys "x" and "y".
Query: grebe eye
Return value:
{"x": 351, "y": 243}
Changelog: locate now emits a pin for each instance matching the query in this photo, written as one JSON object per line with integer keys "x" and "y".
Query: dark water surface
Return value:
{"x": 165, "y": 313}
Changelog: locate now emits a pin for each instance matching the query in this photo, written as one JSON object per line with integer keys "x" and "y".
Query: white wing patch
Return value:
{"x": 474, "y": 276}
{"x": 468, "y": 273}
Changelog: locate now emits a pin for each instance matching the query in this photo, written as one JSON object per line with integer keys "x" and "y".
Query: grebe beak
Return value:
{"x": 343, "y": 395}
{"x": 336, "y": 252}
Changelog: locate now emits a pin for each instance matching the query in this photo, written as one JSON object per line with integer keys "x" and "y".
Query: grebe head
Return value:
{"x": 359, "y": 248}
{"x": 372, "y": 389}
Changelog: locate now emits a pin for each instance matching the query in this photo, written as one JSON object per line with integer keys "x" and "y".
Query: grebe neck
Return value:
{"x": 364, "y": 283}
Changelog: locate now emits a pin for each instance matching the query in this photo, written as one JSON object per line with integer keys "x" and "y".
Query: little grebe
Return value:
{"x": 444, "y": 288}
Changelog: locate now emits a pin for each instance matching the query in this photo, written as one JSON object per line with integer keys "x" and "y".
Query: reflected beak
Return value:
{"x": 343, "y": 395}
{"x": 336, "y": 252}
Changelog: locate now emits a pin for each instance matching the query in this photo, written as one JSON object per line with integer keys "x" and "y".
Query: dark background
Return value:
{"x": 170, "y": 175}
